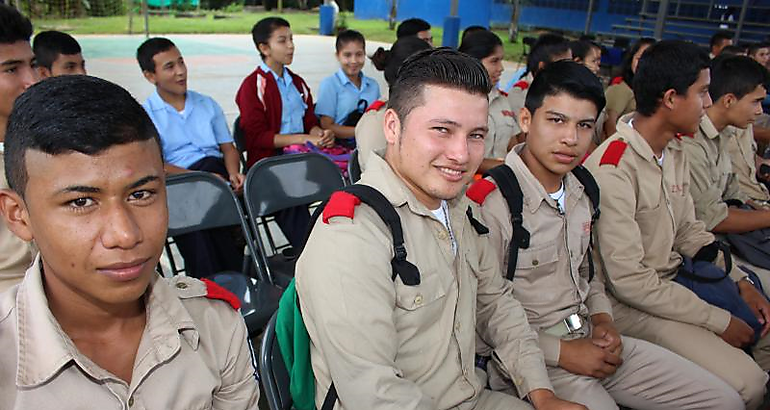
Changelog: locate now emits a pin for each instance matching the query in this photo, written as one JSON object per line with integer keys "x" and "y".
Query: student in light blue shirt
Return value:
{"x": 341, "y": 94}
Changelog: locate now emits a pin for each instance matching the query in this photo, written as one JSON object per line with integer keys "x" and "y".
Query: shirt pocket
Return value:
{"x": 423, "y": 296}
{"x": 539, "y": 257}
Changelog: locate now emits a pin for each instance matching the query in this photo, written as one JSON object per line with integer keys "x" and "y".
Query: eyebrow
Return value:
{"x": 566, "y": 117}
{"x": 83, "y": 189}
{"x": 11, "y": 62}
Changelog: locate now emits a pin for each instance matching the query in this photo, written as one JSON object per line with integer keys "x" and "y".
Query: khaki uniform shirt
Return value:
{"x": 551, "y": 279}
{"x": 620, "y": 99}
{"x": 712, "y": 180}
{"x": 15, "y": 254}
{"x": 369, "y": 135}
{"x": 647, "y": 223}
{"x": 392, "y": 346}
{"x": 502, "y": 126}
{"x": 518, "y": 95}
{"x": 743, "y": 150}
{"x": 194, "y": 354}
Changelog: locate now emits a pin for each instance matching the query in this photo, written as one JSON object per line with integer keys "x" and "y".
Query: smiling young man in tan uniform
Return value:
{"x": 648, "y": 223}
{"x": 17, "y": 72}
{"x": 92, "y": 325}
{"x": 386, "y": 344}
{"x": 588, "y": 361}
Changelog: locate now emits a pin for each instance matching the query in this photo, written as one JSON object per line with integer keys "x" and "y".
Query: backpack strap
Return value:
{"x": 592, "y": 190}
{"x": 509, "y": 186}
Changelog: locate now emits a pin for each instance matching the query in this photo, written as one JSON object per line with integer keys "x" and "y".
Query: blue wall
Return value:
{"x": 471, "y": 12}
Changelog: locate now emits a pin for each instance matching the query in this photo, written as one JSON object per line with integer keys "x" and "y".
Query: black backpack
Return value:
{"x": 506, "y": 181}
{"x": 408, "y": 272}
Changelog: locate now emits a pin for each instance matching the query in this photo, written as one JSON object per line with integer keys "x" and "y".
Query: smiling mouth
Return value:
{"x": 451, "y": 173}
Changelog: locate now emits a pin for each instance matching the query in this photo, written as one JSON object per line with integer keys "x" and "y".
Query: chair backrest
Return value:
{"x": 240, "y": 141}
{"x": 354, "y": 167}
{"x": 285, "y": 181}
{"x": 200, "y": 200}
{"x": 272, "y": 370}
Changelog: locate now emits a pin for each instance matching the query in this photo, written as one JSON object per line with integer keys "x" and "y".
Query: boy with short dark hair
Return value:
{"x": 17, "y": 72}
{"x": 58, "y": 53}
{"x": 194, "y": 137}
{"x": 341, "y": 94}
{"x": 415, "y": 27}
{"x": 93, "y": 325}
{"x": 718, "y": 42}
{"x": 648, "y": 225}
{"x": 588, "y": 361}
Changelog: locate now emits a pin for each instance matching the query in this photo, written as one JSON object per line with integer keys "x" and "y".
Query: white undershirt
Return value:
{"x": 558, "y": 196}
{"x": 442, "y": 215}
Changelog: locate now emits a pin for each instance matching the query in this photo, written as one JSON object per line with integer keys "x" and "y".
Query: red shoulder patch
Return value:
{"x": 479, "y": 190}
{"x": 214, "y": 291}
{"x": 523, "y": 84}
{"x": 340, "y": 204}
{"x": 680, "y": 135}
{"x": 376, "y": 106}
{"x": 613, "y": 153}
{"x": 616, "y": 81}
{"x": 504, "y": 94}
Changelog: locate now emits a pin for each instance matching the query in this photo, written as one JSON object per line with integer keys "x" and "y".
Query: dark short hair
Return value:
{"x": 626, "y": 67}
{"x": 13, "y": 26}
{"x": 480, "y": 44}
{"x": 148, "y": 49}
{"x": 737, "y": 75}
{"x": 568, "y": 77}
{"x": 719, "y": 37}
{"x": 733, "y": 50}
{"x": 667, "y": 65}
{"x": 581, "y": 48}
{"x": 442, "y": 67}
{"x": 264, "y": 28}
{"x": 71, "y": 114}
{"x": 49, "y": 45}
{"x": 390, "y": 61}
{"x": 349, "y": 36}
{"x": 755, "y": 47}
{"x": 410, "y": 27}
{"x": 544, "y": 50}
{"x": 471, "y": 29}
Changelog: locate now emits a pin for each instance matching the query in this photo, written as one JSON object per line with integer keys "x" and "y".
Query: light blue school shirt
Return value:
{"x": 338, "y": 96}
{"x": 292, "y": 106}
{"x": 191, "y": 135}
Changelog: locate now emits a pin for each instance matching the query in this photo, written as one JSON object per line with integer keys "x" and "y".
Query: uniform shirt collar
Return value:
{"x": 345, "y": 80}
{"x": 707, "y": 127}
{"x": 286, "y": 76}
{"x": 533, "y": 192}
{"x": 635, "y": 140}
{"x": 44, "y": 349}
{"x": 381, "y": 176}
{"x": 157, "y": 103}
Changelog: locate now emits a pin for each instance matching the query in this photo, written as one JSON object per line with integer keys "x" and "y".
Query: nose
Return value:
{"x": 31, "y": 76}
{"x": 120, "y": 228}
{"x": 570, "y": 137}
{"x": 457, "y": 148}
{"x": 707, "y": 101}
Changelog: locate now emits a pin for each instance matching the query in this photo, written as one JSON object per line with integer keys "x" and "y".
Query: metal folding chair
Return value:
{"x": 272, "y": 371}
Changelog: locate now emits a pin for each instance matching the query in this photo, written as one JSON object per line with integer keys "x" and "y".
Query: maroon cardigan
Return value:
{"x": 259, "y": 102}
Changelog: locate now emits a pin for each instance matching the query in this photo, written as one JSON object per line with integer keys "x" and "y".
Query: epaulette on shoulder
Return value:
{"x": 616, "y": 80}
{"x": 340, "y": 204}
{"x": 679, "y": 135}
{"x": 523, "y": 84}
{"x": 376, "y": 106}
{"x": 479, "y": 190}
{"x": 613, "y": 153}
{"x": 504, "y": 94}
{"x": 215, "y": 291}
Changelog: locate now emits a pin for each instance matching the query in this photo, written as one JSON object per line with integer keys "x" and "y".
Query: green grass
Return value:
{"x": 240, "y": 23}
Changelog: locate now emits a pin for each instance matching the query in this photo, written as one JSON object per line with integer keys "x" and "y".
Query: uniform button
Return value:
{"x": 181, "y": 285}
{"x": 418, "y": 300}
{"x": 457, "y": 327}
{"x": 535, "y": 262}
{"x": 131, "y": 399}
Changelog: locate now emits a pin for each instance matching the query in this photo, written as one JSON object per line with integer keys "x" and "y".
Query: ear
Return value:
{"x": 263, "y": 48}
{"x": 540, "y": 66}
{"x": 525, "y": 119}
{"x": 391, "y": 126}
{"x": 669, "y": 99}
{"x": 728, "y": 100}
{"x": 15, "y": 215}
{"x": 150, "y": 76}
{"x": 43, "y": 72}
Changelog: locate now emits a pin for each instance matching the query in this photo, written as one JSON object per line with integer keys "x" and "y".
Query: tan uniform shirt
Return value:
{"x": 551, "y": 279}
{"x": 15, "y": 254}
{"x": 392, "y": 346}
{"x": 502, "y": 125}
{"x": 518, "y": 95}
{"x": 194, "y": 354}
{"x": 712, "y": 180}
{"x": 369, "y": 135}
{"x": 743, "y": 150}
{"x": 647, "y": 223}
{"x": 620, "y": 99}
